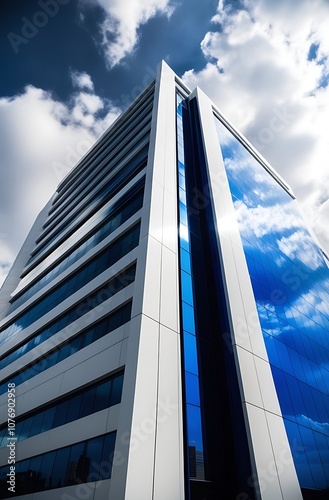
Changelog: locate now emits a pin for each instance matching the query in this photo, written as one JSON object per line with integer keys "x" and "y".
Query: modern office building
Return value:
{"x": 164, "y": 329}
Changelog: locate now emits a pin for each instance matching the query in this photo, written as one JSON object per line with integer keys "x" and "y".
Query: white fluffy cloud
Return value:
{"x": 82, "y": 80}
{"x": 268, "y": 71}
{"x": 52, "y": 137}
{"x": 122, "y": 19}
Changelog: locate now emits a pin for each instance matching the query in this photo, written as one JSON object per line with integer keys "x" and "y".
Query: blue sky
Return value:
{"x": 69, "y": 67}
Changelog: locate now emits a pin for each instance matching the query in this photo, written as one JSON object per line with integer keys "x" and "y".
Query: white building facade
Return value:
{"x": 160, "y": 319}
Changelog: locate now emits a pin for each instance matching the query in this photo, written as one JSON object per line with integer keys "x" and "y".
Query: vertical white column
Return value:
{"x": 274, "y": 472}
{"x": 150, "y": 433}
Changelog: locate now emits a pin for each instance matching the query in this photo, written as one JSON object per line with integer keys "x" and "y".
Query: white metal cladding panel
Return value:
{"x": 169, "y": 417}
{"x": 266, "y": 438}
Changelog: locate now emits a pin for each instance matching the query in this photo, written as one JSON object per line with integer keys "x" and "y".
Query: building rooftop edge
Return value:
{"x": 163, "y": 65}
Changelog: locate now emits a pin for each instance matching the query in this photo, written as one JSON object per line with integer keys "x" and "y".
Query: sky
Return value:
{"x": 70, "y": 67}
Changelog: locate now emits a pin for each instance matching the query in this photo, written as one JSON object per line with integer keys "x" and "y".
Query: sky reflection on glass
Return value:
{"x": 190, "y": 352}
{"x": 290, "y": 281}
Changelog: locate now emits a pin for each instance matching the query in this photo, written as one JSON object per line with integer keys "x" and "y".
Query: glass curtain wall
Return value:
{"x": 290, "y": 282}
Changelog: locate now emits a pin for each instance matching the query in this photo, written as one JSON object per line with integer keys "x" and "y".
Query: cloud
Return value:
{"x": 299, "y": 246}
{"x": 283, "y": 237}
{"x": 121, "y": 22}
{"x": 82, "y": 80}
{"x": 322, "y": 427}
{"x": 263, "y": 221}
{"x": 312, "y": 305}
{"x": 85, "y": 107}
{"x": 271, "y": 321}
{"x": 267, "y": 70}
{"x": 320, "y": 222}
{"x": 52, "y": 137}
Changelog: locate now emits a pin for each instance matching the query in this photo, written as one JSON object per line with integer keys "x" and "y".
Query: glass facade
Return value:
{"x": 290, "y": 282}
{"x": 115, "y": 285}
{"x": 81, "y": 403}
{"x": 87, "y": 337}
{"x": 115, "y": 216}
{"x": 110, "y": 189}
{"x": 94, "y": 267}
{"x": 216, "y": 448}
{"x": 83, "y": 462}
{"x": 190, "y": 362}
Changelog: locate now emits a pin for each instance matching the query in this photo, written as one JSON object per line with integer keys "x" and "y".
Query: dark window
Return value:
{"x": 37, "y": 424}
{"x": 60, "y": 469}
{"x": 107, "y": 456}
{"x": 81, "y": 403}
{"x": 45, "y": 481}
{"x": 120, "y": 247}
{"x": 87, "y": 402}
{"x": 76, "y": 464}
{"x": 87, "y": 461}
{"x": 102, "y": 397}
{"x": 103, "y": 327}
{"x": 116, "y": 390}
{"x": 74, "y": 408}
{"x": 60, "y": 415}
{"x": 93, "y": 457}
{"x": 48, "y": 419}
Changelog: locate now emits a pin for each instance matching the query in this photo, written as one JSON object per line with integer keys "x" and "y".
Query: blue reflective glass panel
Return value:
{"x": 192, "y": 388}
{"x": 290, "y": 280}
{"x": 190, "y": 353}
{"x": 194, "y": 427}
{"x": 59, "y": 473}
{"x": 185, "y": 261}
{"x": 188, "y": 318}
{"x": 186, "y": 284}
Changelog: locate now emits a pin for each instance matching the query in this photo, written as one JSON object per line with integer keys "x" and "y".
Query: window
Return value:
{"x": 81, "y": 403}
{"x": 103, "y": 327}
{"x": 120, "y": 247}
{"x": 83, "y": 462}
